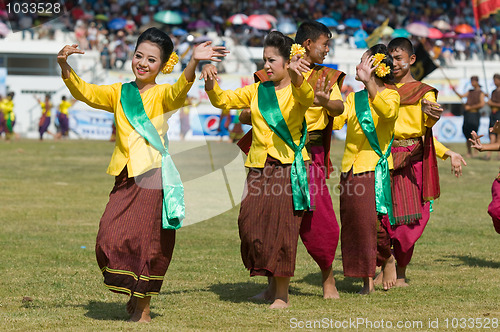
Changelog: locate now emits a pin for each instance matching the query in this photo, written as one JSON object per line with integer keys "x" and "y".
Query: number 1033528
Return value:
{"x": 28, "y": 7}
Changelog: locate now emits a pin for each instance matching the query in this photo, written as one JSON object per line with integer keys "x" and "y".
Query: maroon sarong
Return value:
{"x": 132, "y": 249}
{"x": 63, "y": 123}
{"x": 268, "y": 225}
{"x": 319, "y": 230}
{"x": 494, "y": 207}
{"x": 364, "y": 240}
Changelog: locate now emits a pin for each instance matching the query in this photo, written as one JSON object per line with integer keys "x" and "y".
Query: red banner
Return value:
{"x": 484, "y": 8}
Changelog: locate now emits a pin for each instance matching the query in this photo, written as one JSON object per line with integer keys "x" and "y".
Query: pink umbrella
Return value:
{"x": 435, "y": 33}
{"x": 238, "y": 19}
{"x": 270, "y": 18}
{"x": 418, "y": 29}
{"x": 258, "y": 22}
{"x": 450, "y": 34}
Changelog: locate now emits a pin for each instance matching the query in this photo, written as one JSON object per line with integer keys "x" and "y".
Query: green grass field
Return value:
{"x": 52, "y": 195}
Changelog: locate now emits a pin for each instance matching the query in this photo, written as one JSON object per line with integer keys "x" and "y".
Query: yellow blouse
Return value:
{"x": 131, "y": 149}
{"x": 317, "y": 116}
{"x": 7, "y": 106}
{"x": 293, "y": 102}
{"x": 45, "y": 111}
{"x": 412, "y": 121}
{"x": 64, "y": 107}
{"x": 358, "y": 153}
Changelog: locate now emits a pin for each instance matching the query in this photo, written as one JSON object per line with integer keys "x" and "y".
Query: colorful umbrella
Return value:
{"x": 270, "y": 18}
{"x": 418, "y": 29}
{"x": 117, "y": 23}
{"x": 238, "y": 19}
{"x": 328, "y": 21}
{"x": 179, "y": 32}
{"x": 441, "y": 25}
{"x": 359, "y": 38}
{"x": 466, "y": 36}
{"x": 353, "y": 23}
{"x": 168, "y": 17}
{"x": 199, "y": 24}
{"x": 435, "y": 33}
{"x": 258, "y": 22}
{"x": 400, "y": 33}
{"x": 464, "y": 28}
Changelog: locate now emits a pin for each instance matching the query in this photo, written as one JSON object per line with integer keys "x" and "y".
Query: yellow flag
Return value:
{"x": 376, "y": 34}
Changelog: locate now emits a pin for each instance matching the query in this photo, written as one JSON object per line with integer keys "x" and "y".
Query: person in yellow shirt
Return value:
{"x": 136, "y": 233}
{"x": 319, "y": 230}
{"x": 63, "y": 117}
{"x": 415, "y": 179}
{"x": 43, "y": 124}
{"x": 275, "y": 197}
{"x": 9, "y": 118}
{"x": 365, "y": 194}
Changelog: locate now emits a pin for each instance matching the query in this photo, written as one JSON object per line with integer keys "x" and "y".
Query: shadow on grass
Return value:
{"x": 108, "y": 311}
{"x": 236, "y": 292}
{"x": 477, "y": 262}
{"x": 343, "y": 284}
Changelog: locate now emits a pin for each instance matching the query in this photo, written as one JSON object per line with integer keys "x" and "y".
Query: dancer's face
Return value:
{"x": 402, "y": 62}
{"x": 275, "y": 65}
{"x": 318, "y": 50}
{"x": 146, "y": 62}
{"x": 365, "y": 55}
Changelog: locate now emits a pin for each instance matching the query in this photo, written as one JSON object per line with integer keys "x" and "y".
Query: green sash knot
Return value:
{"x": 383, "y": 197}
{"x": 173, "y": 190}
{"x": 270, "y": 110}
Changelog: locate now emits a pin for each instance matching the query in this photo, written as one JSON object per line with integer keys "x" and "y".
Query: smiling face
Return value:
{"x": 146, "y": 62}
{"x": 274, "y": 64}
{"x": 318, "y": 50}
{"x": 402, "y": 62}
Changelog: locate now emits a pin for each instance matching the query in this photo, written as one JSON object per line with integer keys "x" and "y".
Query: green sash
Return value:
{"x": 270, "y": 110}
{"x": 9, "y": 123}
{"x": 173, "y": 190}
{"x": 383, "y": 197}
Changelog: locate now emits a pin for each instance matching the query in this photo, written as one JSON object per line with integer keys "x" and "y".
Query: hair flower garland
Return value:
{"x": 169, "y": 66}
{"x": 382, "y": 70}
{"x": 378, "y": 59}
{"x": 297, "y": 49}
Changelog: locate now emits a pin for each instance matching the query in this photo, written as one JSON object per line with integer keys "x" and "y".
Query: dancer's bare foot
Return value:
{"x": 368, "y": 286}
{"x": 401, "y": 276}
{"x": 131, "y": 304}
{"x": 389, "y": 273}
{"x": 266, "y": 295}
{"x": 329, "y": 288}
{"x": 141, "y": 313}
{"x": 279, "y": 304}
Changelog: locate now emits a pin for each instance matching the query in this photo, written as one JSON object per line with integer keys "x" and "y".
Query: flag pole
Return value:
{"x": 478, "y": 41}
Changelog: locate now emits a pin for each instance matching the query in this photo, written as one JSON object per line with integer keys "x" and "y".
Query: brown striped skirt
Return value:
{"x": 365, "y": 242}
{"x": 132, "y": 249}
{"x": 268, "y": 225}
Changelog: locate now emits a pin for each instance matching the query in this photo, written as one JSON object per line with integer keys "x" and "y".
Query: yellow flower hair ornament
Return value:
{"x": 378, "y": 59}
{"x": 382, "y": 70}
{"x": 297, "y": 49}
{"x": 169, "y": 66}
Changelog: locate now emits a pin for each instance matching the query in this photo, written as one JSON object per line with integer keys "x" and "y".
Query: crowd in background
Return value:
{"x": 90, "y": 21}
